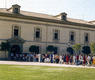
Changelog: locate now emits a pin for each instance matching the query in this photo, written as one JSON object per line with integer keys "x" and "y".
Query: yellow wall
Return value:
{"x": 27, "y": 33}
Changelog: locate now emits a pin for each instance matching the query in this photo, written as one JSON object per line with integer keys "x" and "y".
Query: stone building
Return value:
{"x": 23, "y": 29}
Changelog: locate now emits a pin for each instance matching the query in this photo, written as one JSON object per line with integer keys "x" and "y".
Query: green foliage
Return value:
{"x": 5, "y": 46}
{"x": 34, "y": 49}
{"x": 86, "y": 50}
{"x": 77, "y": 48}
{"x": 50, "y": 48}
{"x": 92, "y": 47}
{"x": 70, "y": 50}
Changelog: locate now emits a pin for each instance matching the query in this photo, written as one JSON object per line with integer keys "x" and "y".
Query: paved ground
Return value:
{"x": 42, "y": 64}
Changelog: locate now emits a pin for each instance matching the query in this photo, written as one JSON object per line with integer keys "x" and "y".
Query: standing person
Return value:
{"x": 36, "y": 57}
{"x": 93, "y": 60}
{"x": 57, "y": 58}
{"x": 67, "y": 59}
{"x": 80, "y": 59}
{"x": 71, "y": 59}
{"x": 77, "y": 59}
{"x": 88, "y": 60}
{"x": 64, "y": 59}
{"x": 39, "y": 57}
{"x": 51, "y": 58}
{"x": 60, "y": 59}
{"x": 74, "y": 59}
{"x": 12, "y": 56}
{"x": 29, "y": 57}
{"x": 84, "y": 60}
{"x": 43, "y": 58}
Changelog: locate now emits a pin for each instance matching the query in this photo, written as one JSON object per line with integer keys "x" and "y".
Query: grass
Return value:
{"x": 15, "y": 72}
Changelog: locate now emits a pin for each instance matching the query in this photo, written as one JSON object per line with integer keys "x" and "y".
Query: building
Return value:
{"x": 23, "y": 29}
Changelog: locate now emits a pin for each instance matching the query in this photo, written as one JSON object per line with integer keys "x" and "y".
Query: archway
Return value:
{"x": 15, "y": 49}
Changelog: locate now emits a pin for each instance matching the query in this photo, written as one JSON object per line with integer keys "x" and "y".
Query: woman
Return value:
{"x": 84, "y": 60}
{"x": 67, "y": 59}
{"x": 74, "y": 59}
{"x": 71, "y": 59}
{"x": 64, "y": 59}
{"x": 94, "y": 60}
{"x": 88, "y": 60}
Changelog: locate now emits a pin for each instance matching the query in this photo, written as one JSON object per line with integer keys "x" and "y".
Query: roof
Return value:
{"x": 45, "y": 16}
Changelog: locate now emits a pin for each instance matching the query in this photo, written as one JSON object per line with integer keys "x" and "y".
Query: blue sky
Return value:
{"x": 79, "y": 9}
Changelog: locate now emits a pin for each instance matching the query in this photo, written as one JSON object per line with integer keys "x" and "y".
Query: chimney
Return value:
{"x": 16, "y": 9}
{"x": 63, "y": 16}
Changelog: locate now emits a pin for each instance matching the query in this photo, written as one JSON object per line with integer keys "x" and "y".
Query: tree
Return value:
{"x": 77, "y": 48}
{"x": 34, "y": 49}
{"x": 70, "y": 50}
{"x": 50, "y": 48}
{"x": 5, "y": 46}
{"x": 92, "y": 47}
{"x": 55, "y": 50}
{"x": 86, "y": 50}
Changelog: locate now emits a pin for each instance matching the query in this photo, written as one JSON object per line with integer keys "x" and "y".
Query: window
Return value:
{"x": 56, "y": 35}
{"x": 72, "y": 36}
{"x": 37, "y": 33}
{"x": 86, "y": 38}
{"x": 16, "y": 10}
{"x": 16, "y": 31}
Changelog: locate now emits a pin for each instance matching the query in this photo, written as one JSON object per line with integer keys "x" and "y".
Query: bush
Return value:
{"x": 34, "y": 49}
{"x": 86, "y": 50}
{"x": 70, "y": 50}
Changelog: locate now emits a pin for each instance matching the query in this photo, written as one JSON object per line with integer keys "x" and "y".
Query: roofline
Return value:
{"x": 20, "y": 16}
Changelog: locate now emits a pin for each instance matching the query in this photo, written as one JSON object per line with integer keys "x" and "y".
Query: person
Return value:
{"x": 20, "y": 57}
{"x": 88, "y": 60}
{"x": 93, "y": 60}
{"x": 67, "y": 59}
{"x": 60, "y": 59}
{"x": 74, "y": 59}
{"x": 33, "y": 57}
{"x": 51, "y": 58}
{"x": 47, "y": 60}
{"x": 84, "y": 60}
{"x": 71, "y": 59}
{"x": 80, "y": 59}
{"x": 12, "y": 56}
{"x": 17, "y": 56}
{"x": 43, "y": 57}
{"x": 77, "y": 59}
{"x": 64, "y": 59}
{"x": 56, "y": 58}
{"x": 39, "y": 57}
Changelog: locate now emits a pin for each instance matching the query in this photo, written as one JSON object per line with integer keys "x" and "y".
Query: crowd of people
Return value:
{"x": 54, "y": 58}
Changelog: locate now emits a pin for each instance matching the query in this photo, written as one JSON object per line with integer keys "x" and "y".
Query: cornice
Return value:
{"x": 20, "y": 16}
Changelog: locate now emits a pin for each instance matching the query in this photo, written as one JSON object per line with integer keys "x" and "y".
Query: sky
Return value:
{"x": 78, "y": 9}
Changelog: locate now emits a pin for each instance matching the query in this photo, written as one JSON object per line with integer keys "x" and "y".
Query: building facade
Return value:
{"x": 23, "y": 29}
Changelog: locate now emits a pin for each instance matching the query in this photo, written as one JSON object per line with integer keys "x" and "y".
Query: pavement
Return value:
{"x": 42, "y": 64}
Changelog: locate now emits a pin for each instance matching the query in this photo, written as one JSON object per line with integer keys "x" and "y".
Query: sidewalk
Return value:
{"x": 42, "y": 64}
